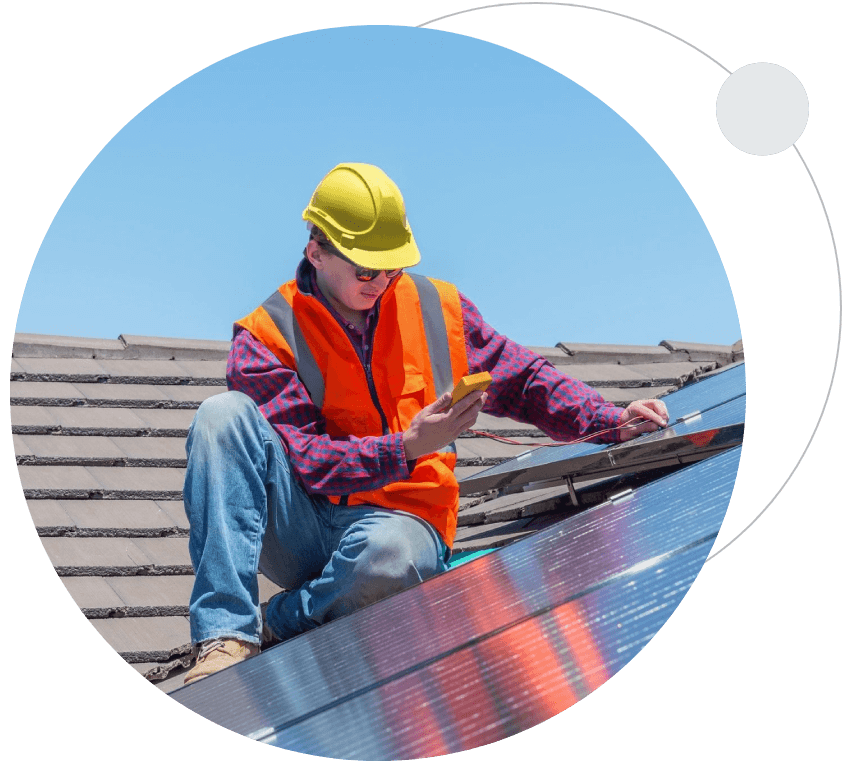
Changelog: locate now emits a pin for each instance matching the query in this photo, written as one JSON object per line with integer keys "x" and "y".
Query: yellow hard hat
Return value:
{"x": 361, "y": 211}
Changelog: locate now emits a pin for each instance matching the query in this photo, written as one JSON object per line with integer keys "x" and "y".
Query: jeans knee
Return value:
{"x": 224, "y": 407}
{"x": 386, "y": 564}
{"x": 222, "y": 412}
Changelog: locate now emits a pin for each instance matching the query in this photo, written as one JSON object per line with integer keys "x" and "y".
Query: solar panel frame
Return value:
{"x": 718, "y": 428}
{"x": 345, "y": 659}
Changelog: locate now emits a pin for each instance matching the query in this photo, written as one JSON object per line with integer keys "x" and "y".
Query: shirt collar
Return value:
{"x": 308, "y": 285}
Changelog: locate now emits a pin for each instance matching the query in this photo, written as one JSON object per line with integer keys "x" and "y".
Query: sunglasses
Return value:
{"x": 363, "y": 274}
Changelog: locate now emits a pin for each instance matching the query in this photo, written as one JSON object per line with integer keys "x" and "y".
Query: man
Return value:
{"x": 328, "y": 466}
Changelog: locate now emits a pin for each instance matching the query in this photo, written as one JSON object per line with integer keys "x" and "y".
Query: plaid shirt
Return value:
{"x": 524, "y": 387}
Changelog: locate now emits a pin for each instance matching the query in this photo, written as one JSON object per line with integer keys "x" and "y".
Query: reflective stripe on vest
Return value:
{"x": 307, "y": 370}
{"x": 436, "y": 336}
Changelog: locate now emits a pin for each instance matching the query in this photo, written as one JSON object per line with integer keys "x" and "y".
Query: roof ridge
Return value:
{"x": 126, "y": 346}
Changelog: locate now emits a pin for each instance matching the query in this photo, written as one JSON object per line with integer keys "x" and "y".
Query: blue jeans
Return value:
{"x": 248, "y": 513}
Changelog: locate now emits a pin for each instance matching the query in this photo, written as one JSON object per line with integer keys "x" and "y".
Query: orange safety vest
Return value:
{"x": 418, "y": 353}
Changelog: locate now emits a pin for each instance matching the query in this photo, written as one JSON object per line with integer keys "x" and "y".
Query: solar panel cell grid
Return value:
{"x": 503, "y": 684}
{"x": 380, "y": 645}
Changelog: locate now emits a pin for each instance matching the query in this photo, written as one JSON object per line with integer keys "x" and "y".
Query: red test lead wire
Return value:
{"x": 506, "y": 440}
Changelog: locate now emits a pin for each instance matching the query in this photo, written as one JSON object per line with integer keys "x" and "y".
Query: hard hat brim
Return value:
{"x": 397, "y": 258}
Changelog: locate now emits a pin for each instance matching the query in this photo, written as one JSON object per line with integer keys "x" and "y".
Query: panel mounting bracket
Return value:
{"x": 692, "y": 416}
{"x": 572, "y": 494}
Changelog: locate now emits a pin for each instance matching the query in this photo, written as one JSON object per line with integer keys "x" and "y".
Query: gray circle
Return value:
{"x": 762, "y": 109}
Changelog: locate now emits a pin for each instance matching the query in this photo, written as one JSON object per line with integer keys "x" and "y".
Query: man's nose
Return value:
{"x": 381, "y": 280}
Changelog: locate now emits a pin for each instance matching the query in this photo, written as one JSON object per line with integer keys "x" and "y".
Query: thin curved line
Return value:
{"x": 816, "y": 188}
{"x": 576, "y": 5}
{"x": 833, "y": 372}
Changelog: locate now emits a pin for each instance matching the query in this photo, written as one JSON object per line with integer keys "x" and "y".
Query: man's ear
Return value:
{"x": 314, "y": 254}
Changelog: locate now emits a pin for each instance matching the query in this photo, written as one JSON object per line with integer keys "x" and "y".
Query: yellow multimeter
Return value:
{"x": 470, "y": 383}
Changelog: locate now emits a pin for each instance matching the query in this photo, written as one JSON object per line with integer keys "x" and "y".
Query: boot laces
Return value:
{"x": 209, "y": 647}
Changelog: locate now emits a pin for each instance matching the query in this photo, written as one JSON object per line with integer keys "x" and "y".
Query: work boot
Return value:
{"x": 217, "y": 654}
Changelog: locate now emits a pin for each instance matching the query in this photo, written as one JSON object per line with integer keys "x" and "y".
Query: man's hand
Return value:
{"x": 646, "y": 415}
{"x": 432, "y": 429}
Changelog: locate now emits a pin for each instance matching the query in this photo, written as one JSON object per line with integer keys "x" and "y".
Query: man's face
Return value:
{"x": 338, "y": 280}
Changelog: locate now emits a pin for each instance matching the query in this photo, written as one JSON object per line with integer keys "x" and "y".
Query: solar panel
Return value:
{"x": 702, "y": 396}
{"x": 597, "y": 586}
{"x": 707, "y": 393}
{"x": 504, "y": 683}
{"x": 717, "y": 428}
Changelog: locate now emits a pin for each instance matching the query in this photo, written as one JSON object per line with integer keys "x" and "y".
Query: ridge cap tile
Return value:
{"x": 681, "y": 345}
{"x": 151, "y": 347}
{"x": 64, "y": 346}
{"x": 33, "y": 345}
{"x": 610, "y": 348}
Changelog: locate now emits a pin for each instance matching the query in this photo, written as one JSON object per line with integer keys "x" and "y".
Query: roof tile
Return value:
{"x": 176, "y": 511}
{"x": 97, "y": 478}
{"x": 144, "y": 635}
{"x": 46, "y": 391}
{"x": 95, "y": 417}
{"x": 190, "y": 393}
{"x": 487, "y": 422}
{"x": 143, "y": 368}
{"x": 493, "y": 535}
{"x": 463, "y": 472}
{"x": 50, "y": 366}
{"x": 170, "y": 479}
{"x": 21, "y": 447}
{"x": 56, "y": 477}
{"x": 604, "y": 372}
{"x": 206, "y": 369}
{"x": 121, "y": 391}
{"x": 64, "y": 346}
{"x": 117, "y": 514}
{"x": 701, "y": 352}
{"x": 71, "y": 446}
{"x": 94, "y": 552}
{"x": 152, "y": 447}
{"x": 165, "y": 551}
{"x": 490, "y": 448}
{"x": 145, "y": 347}
{"x": 673, "y": 370}
{"x": 610, "y": 353}
{"x": 49, "y": 513}
{"x": 625, "y": 395}
{"x": 165, "y": 419}
{"x": 92, "y": 592}
{"x": 32, "y": 416}
{"x": 172, "y": 590}
{"x": 553, "y": 355}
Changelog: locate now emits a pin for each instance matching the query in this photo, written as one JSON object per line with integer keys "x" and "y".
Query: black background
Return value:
{"x": 744, "y": 642}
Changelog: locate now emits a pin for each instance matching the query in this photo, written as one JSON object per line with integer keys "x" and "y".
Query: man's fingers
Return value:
{"x": 440, "y": 405}
{"x": 469, "y": 401}
{"x": 646, "y": 410}
{"x": 659, "y": 408}
{"x": 468, "y": 421}
{"x": 645, "y": 415}
{"x": 466, "y": 418}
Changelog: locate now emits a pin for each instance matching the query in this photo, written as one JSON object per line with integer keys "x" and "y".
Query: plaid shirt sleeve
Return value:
{"x": 324, "y": 465}
{"x": 529, "y": 389}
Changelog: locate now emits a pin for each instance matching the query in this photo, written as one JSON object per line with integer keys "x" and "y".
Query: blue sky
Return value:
{"x": 542, "y": 205}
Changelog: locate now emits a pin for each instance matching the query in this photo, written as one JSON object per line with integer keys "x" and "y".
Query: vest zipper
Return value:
{"x": 369, "y": 379}
{"x": 374, "y": 399}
